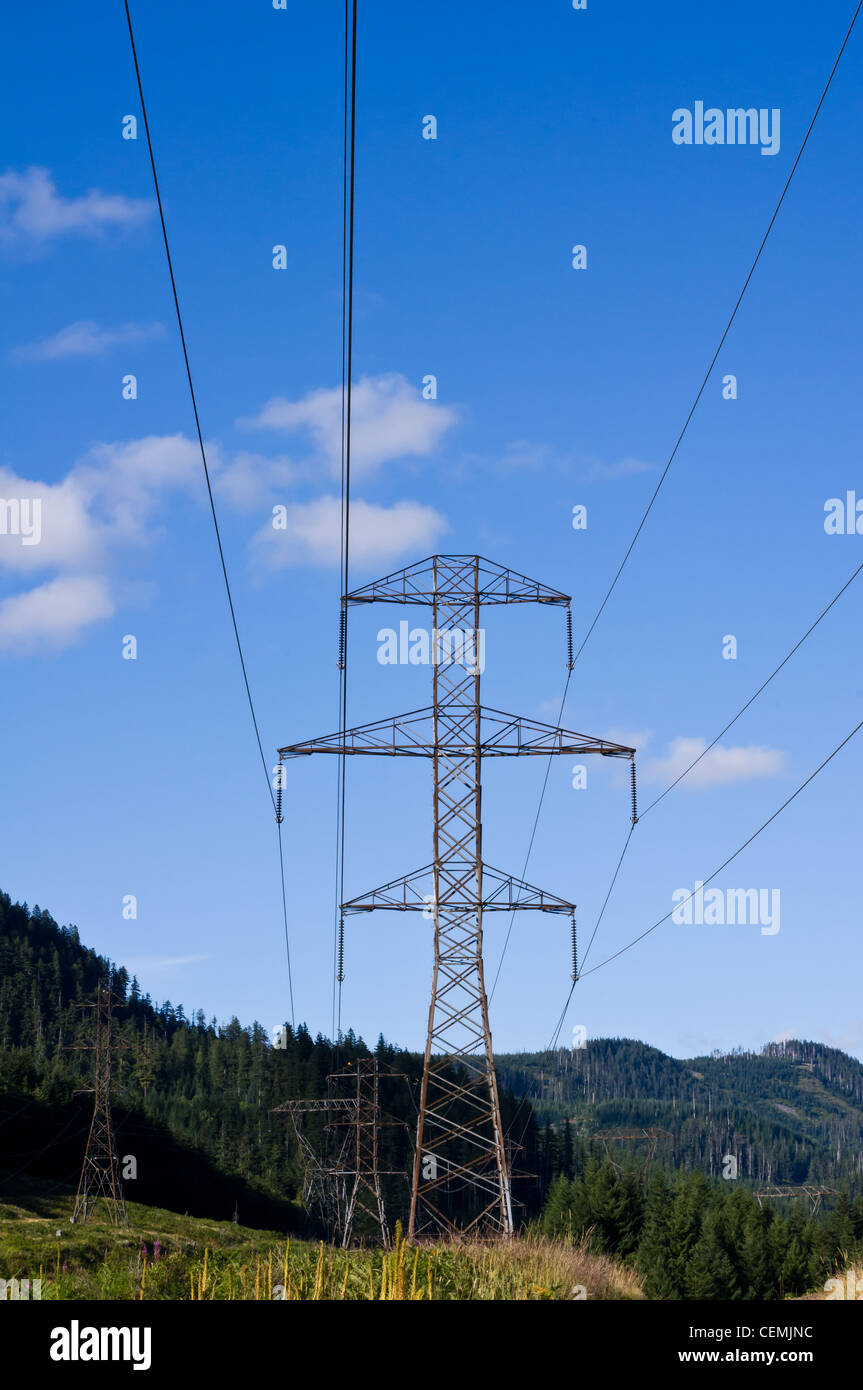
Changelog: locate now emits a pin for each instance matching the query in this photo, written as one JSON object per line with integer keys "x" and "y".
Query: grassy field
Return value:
{"x": 162, "y": 1255}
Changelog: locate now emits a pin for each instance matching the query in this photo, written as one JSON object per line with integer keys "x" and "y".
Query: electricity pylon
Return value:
{"x": 650, "y": 1137}
{"x": 349, "y": 1180}
{"x": 798, "y": 1190}
{"x": 460, "y": 1144}
{"x": 100, "y": 1176}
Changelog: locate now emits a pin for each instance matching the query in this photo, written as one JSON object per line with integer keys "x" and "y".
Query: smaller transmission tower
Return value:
{"x": 100, "y": 1173}
{"x": 796, "y": 1192}
{"x": 365, "y": 1120}
{"x": 649, "y": 1137}
{"x": 350, "y": 1181}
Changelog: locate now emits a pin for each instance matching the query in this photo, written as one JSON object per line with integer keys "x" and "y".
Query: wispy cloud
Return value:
{"x": 249, "y": 480}
{"x": 311, "y": 533}
{"x": 629, "y": 738}
{"x": 53, "y": 615}
{"x": 107, "y": 502}
{"x": 850, "y": 1040}
{"x": 153, "y": 963}
{"x": 600, "y": 470}
{"x": 32, "y": 211}
{"x": 85, "y": 339}
{"x": 113, "y": 499}
{"x": 719, "y": 767}
{"x": 389, "y": 420}
{"x": 526, "y": 455}
{"x": 532, "y": 456}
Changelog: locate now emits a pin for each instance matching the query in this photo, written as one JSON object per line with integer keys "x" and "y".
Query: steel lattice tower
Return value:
{"x": 100, "y": 1176}
{"x": 349, "y": 1182}
{"x": 460, "y": 1148}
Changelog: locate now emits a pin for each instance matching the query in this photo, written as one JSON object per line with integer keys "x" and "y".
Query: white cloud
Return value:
{"x": 531, "y": 456}
{"x": 629, "y": 738}
{"x": 249, "y": 479}
{"x": 151, "y": 963}
{"x": 379, "y": 534}
{"x": 69, "y": 537}
{"x": 85, "y": 339}
{"x": 124, "y": 482}
{"x": 31, "y": 209}
{"x": 107, "y": 502}
{"x": 848, "y": 1041}
{"x": 106, "y": 499}
{"x": 519, "y": 456}
{"x": 389, "y": 420}
{"x": 54, "y": 614}
{"x": 718, "y": 767}
{"x": 116, "y": 497}
{"x": 525, "y": 454}
{"x": 600, "y": 471}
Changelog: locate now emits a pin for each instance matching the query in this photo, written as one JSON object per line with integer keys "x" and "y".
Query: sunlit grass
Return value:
{"x": 162, "y": 1255}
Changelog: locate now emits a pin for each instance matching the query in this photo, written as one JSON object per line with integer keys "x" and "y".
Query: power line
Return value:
{"x": 350, "y": 141}
{"x": 733, "y": 856}
{"x": 705, "y": 881}
{"x": 608, "y": 894}
{"x": 665, "y": 471}
{"x": 343, "y": 616}
{"x": 530, "y": 846}
{"x": 721, "y": 343}
{"x": 754, "y": 697}
{"x": 55, "y": 1139}
{"x": 213, "y": 513}
{"x": 721, "y": 733}
{"x": 17, "y": 1112}
{"x": 584, "y": 973}
{"x": 549, "y": 1049}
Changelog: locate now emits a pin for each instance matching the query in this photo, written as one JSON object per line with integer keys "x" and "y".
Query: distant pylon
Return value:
{"x": 350, "y": 1180}
{"x": 796, "y": 1191}
{"x": 650, "y": 1137}
{"x": 100, "y": 1175}
{"x": 461, "y": 1178}
{"x": 365, "y": 1192}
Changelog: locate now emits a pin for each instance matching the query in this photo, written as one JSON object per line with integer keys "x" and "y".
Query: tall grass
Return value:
{"x": 164, "y": 1256}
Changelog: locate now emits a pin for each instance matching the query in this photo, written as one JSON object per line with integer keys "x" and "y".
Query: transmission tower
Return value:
{"x": 100, "y": 1175}
{"x": 349, "y": 1181}
{"x": 460, "y": 1149}
{"x": 797, "y": 1191}
{"x": 649, "y": 1137}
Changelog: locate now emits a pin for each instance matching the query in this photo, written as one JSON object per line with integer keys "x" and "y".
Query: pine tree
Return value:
{"x": 759, "y": 1279}
{"x": 709, "y": 1271}
{"x": 654, "y": 1256}
{"x": 690, "y": 1200}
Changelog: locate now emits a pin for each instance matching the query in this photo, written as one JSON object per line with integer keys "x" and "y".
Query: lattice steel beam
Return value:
{"x": 341, "y": 1186}
{"x": 417, "y": 734}
{"x": 100, "y": 1170}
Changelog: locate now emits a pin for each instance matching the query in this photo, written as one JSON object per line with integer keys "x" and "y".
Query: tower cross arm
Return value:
{"x": 501, "y": 735}
{"x": 456, "y": 579}
{"x": 501, "y": 892}
{"x": 313, "y": 1107}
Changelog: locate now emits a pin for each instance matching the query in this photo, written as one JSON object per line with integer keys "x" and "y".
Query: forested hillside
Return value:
{"x": 689, "y": 1238}
{"x": 193, "y": 1101}
{"x": 792, "y": 1114}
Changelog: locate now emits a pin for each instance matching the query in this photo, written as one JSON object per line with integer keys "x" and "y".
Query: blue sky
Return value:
{"x": 556, "y": 387}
